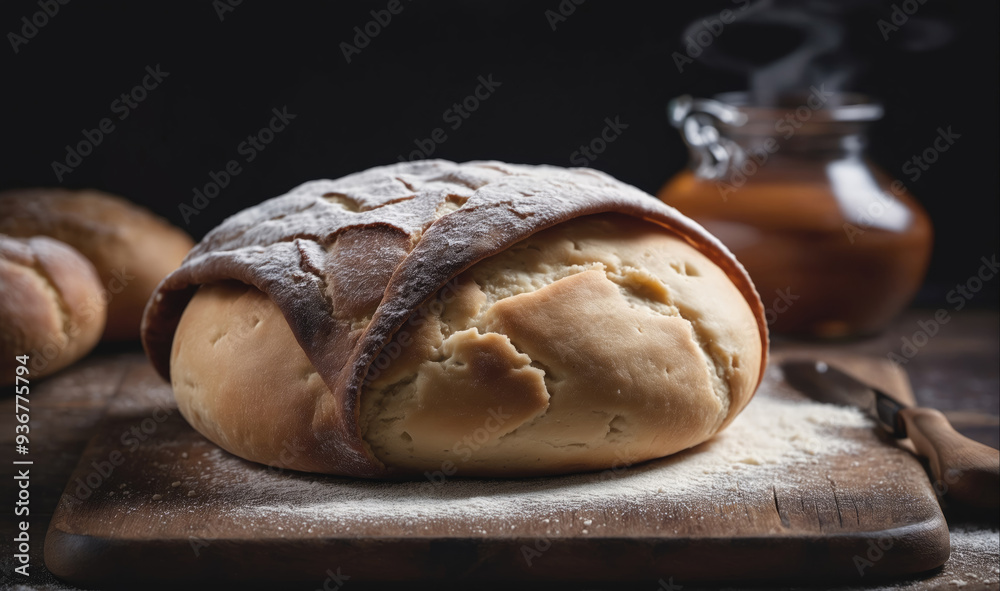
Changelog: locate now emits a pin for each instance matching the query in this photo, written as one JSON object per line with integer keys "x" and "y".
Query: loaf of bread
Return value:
{"x": 132, "y": 249}
{"x": 479, "y": 319}
{"x": 52, "y": 307}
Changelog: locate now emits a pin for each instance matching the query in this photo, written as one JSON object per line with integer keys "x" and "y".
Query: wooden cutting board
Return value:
{"x": 153, "y": 501}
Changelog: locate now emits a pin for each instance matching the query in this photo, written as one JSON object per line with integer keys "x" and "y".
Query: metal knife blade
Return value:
{"x": 824, "y": 383}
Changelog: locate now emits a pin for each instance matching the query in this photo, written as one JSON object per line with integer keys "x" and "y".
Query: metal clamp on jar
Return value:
{"x": 835, "y": 246}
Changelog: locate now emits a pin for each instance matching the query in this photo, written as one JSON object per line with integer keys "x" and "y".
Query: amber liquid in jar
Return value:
{"x": 835, "y": 246}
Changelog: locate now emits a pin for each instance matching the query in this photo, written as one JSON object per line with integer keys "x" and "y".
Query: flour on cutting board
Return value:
{"x": 974, "y": 564}
{"x": 755, "y": 451}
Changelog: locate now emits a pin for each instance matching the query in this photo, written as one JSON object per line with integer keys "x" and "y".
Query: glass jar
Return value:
{"x": 835, "y": 246}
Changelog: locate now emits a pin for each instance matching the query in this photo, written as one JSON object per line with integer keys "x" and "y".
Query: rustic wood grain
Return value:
{"x": 135, "y": 527}
{"x": 956, "y": 372}
{"x": 970, "y": 469}
{"x": 65, "y": 410}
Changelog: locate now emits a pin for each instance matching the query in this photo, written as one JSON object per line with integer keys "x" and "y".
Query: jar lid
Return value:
{"x": 823, "y": 106}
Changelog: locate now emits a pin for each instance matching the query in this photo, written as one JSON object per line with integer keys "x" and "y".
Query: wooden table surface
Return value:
{"x": 956, "y": 371}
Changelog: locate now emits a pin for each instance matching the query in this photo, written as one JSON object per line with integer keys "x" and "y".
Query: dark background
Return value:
{"x": 556, "y": 88}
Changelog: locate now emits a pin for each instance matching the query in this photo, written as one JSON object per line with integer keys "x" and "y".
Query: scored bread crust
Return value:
{"x": 53, "y": 307}
{"x": 349, "y": 261}
{"x": 131, "y": 248}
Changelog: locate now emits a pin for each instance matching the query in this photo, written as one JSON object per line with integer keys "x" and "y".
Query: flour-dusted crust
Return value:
{"x": 349, "y": 261}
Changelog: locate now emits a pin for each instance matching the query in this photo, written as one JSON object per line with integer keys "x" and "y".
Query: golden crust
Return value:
{"x": 345, "y": 304}
{"x": 644, "y": 345}
{"x": 572, "y": 350}
{"x": 132, "y": 249}
{"x": 241, "y": 379}
{"x": 53, "y": 306}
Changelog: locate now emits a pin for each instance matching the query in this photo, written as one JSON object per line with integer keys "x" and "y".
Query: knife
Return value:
{"x": 965, "y": 470}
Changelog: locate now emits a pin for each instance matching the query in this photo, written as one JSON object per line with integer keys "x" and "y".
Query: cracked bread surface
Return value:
{"x": 348, "y": 264}
{"x": 601, "y": 342}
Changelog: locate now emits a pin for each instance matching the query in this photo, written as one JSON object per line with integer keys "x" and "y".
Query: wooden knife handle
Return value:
{"x": 963, "y": 469}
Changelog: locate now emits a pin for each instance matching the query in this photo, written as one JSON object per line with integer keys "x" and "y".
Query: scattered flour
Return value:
{"x": 975, "y": 558}
{"x": 974, "y": 564}
{"x": 751, "y": 455}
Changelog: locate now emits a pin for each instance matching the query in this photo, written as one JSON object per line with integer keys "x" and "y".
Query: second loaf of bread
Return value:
{"x": 52, "y": 308}
{"x": 131, "y": 248}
